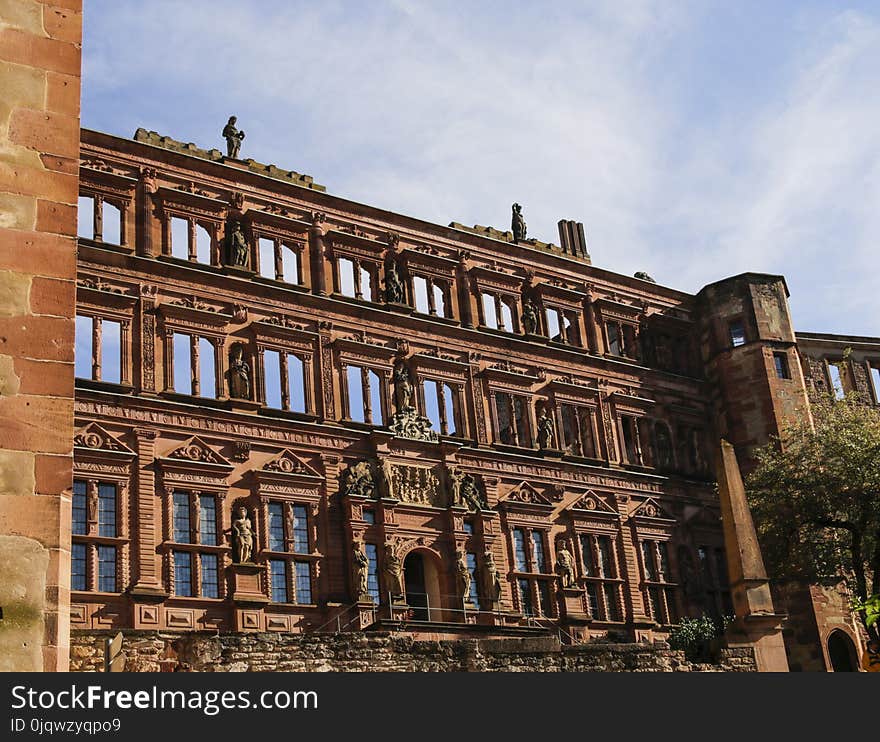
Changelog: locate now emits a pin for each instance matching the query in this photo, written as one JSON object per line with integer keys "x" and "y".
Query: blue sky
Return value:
{"x": 695, "y": 140}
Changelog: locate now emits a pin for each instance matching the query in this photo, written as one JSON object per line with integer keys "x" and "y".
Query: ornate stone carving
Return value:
{"x": 415, "y": 484}
{"x": 465, "y": 490}
{"x": 462, "y": 575}
{"x": 518, "y": 224}
{"x": 361, "y": 568}
{"x": 544, "y": 432}
{"x": 192, "y": 302}
{"x": 565, "y": 565}
{"x": 94, "y": 436}
{"x": 196, "y": 450}
{"x": 491, "y": 577}
{"x": 233, "y": 138}
{"x": 241, "y": 450}
{"x": 239, "y": 373}
{"x": 394, "y": 290}
{"x": 237, "y": 250}
{"x": 409, "y": 424}
{"x": 392, "y": 568}
{"x": 242, "y": 537}
{"x": 358, "y": 479}
{"x": 529, "y": 318}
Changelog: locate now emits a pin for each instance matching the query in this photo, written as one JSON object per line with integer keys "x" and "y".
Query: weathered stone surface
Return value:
{"x": 23, "y": 564}
{"x": 385, "y": 652}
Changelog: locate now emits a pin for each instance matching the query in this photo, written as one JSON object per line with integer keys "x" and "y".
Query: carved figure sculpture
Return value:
{"x": 358, "y": 480}
{"x": 361, "y": 570}
{"x": 465, "y": 489}
{"x": 518, "y": 224}
{"x": 393, "y": 569}
{"x": 233, "y": 138}
{"x": 462, "y": 575}
{"x": 492, "y": 575}
{"x": 242, "y": 537}
{"x": 565, "y": 565}
{"x": 529, "y": 318}
{"x": 239, "y": 374}
{"x": 393, "y": 285}
{"x": 545, "y": 430}
{"x": 403, "y": 388}
{"x": 236, "y": 245}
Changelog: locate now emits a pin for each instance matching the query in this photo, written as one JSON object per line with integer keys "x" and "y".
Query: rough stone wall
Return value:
{"x": 148, "y": 651}
{"x": 40, "y": 45}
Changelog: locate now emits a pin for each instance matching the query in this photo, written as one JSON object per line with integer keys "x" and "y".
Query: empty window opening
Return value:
{"x": 111, "y": 223}
{"x": 179, "y": 238}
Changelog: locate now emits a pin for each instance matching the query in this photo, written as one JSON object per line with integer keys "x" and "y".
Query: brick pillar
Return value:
{"x": 39, "y": 161}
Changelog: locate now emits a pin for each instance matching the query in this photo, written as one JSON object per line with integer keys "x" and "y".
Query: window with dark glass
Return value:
{"x": 648, "y": 560}
{"x": 276, "y": 526}
{"x": 369, "y": 516}
{"x": 587, "y": 556}
{"x": 780, "y": 363}
{"x": 278, "y": 579}
{"x": 577, "y": 431}
{"x": 210, "y": 576}
{"x": 612, "y": 606}
{"x": 107, "y": 510}
{"x": 468, "y": 528}
{"x": 512, "y": 417}
{"x": 519, "y": 550}
{"x": 181, "y": 518}
{"x": 606, "y": 556}
{"x": 546, "y": 604}
{"x": 471, "y": 561}
{"x": 525, "y": 597}
{"x": 183, "y": 574}
{"x": 79, "y": 513}
{"x": 737, "y": 333}
{"x": 538, "y": 551}
{"x": 612, "y": 331}
{"x": 593, "y": 600}
{"x": 300, "y": 533}
{"x": 372, "y": 571}
{"x": 78, "y": 567}
{"x": 303, "y": 583}
{"x": 208, "y": 520}
{"x": 107, "y": 568}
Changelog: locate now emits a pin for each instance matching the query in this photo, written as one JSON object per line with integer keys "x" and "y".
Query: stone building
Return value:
{"x": 294, "y": 413}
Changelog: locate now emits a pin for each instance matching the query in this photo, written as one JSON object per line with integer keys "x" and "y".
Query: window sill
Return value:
{"x": 281, "y": 284}
{"x": 91, "y": 242}
{"x": 194, "y": 399}
{"x": 287, "y": 414}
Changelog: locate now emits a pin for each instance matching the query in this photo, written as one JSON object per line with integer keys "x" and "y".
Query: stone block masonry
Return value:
{"x": 40, "y": 44}
{"x": 150, "y": 651}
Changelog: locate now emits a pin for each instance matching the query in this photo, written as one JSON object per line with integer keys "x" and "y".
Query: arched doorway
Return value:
{"x": 842, "y": 652}
{"x": 422, "y": 586}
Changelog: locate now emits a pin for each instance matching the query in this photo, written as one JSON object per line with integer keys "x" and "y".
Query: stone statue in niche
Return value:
{"x": 465, "y": 490}
{"x": 394, "y": 293}
{"x": 393, "y": 569}
{"x": 242, "y": 537}
{"x": 237, "y": 251}
{"x": 403, "y": 388}
{"x": 361, "y": 571}
{"x": 358, "y": 480}
{"x": 565, "y": 565}
{"x": 544, "y": 430}
{"x": 233, "y": 138}
{"x": 492, "y": 576}
{"x": 518, "y": 224}
{"x": 529, "y": 318}
{"x": 239, "y": 373}
{"x": 462, "y": 575}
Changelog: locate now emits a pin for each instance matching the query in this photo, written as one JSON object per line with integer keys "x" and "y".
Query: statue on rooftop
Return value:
{"x": 518, "y": 224}
{"x": 233, "y": 138}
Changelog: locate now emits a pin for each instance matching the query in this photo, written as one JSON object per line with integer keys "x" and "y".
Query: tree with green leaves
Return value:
{"x": 815, "y": 498}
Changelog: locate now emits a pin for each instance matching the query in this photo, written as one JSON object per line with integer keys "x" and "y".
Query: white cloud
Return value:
{"x": 454, "y": 111}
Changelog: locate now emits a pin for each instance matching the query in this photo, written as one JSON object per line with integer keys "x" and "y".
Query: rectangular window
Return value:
{"x": 111, "y": 351}
{"x": 468, "y": 528}
{"x": 875, "y": 382}
{"x": 83, "y": 350}
{"x": 183, "y": 376}
{"x": 207, "y": 520}
{"x": 614, "y": 345}
{"x": 834, "y": 373}
{"x": 369, "y": 516}
{"x": 203, "y": 245}
{"x": 538, "y": 551}
{"x": 266, "y": 248}
{"x": 346, "y": 277}
{"x": 606, "y": 557}
{"x": 183, "y": 574}
{"x": 507, "y": 313}
{"x": 85, "y": 217}
{"x": 628, "y": 424}
{"x": 553, "y": 323}
{"x": 107, "y": 569}
{"x": 364, "y": 395}
{"x": 780, "y": 362}
{"x": 179, "y": 238}
{"x": 372, "y": 571}
{"x": 107, "y": 510}
{"x": 546, "y": 607}
{"x": 272, "y": 378}
{"x": 648, "y": 560}
{"x": 278, "y": 577}
{"x": 207, "y": 387}
{"x": 439, "y": 294}
{"x": 519, "y": 550}
{"x": 111, "y": 223}
{"x": 300, "y": 533}
{"x": 593, "y": 601}
{"x": 289, "y": 265}
{"x": 587, "y": 556}
{"x": 296, "y": 381}
{"x": 737, "y": 333}
{"x": 490, "y": 316}
{"x": 474, "y": 595}
{"x": 276, "y": 526}
{"x": 420, "y": 289}
{"x": 80, "y": 526}
{"x": 181, "y": 518}
{"x": 78, "y": 567}
{"x": 612, "y": 607}
{"x": 440, "y": 406}
{"x": 303, "y": 583}
{"x": 663, "y": 552}
{"x": 210, "y": 576}
{"x": 525, "y": 597}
